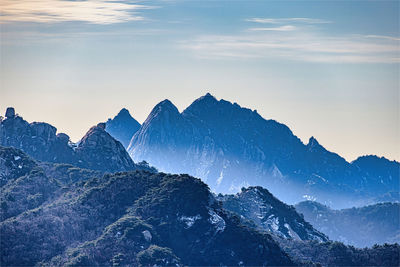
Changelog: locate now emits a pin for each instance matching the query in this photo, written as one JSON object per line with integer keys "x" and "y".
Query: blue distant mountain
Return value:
{"x": 360, "y": 227}
{"x": 230, "y": 147}
{"x": 122, "y": 127}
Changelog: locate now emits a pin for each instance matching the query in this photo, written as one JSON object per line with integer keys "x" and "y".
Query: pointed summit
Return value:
{"x": 123, "y": 112}
{"x": 201, "y": 104}
{"x": 98, "y": 150}
{"x": 312, "y": 142}
{"x": 122, "y": 127}
{"x": 166, "y": 104}
{"x": 165, "y": 108}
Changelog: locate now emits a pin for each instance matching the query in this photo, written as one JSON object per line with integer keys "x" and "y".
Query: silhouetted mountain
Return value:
{"x": 270, "y": 214}
{"x": 230, "y": 147}
{"x": 97, "y": 150}
{"x": 361, "y": 227}
{"x": 122, "y": 127}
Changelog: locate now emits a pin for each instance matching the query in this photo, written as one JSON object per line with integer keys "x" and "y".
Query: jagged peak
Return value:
{"x": 206, "y": 98}
{"x": 312, "y": 142}
{"x": 201, "y": 103}
{"x": 123, "y": 113}
{"x": 373, "y": 158}
{"x": 101, "y": 125}
{"x": 10, "y": 112}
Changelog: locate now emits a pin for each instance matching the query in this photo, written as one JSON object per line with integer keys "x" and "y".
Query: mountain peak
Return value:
{"x": 124, "y": 112}
{"x": 122, "y": 127}
{"x": 10, "y": 112}
{"x": 163, "y": 106}
{"x": 207, "y": 97}
{"x": 101, "y": 125}
{"x": 312, "y": 142}
{"x": 100, "y": 151}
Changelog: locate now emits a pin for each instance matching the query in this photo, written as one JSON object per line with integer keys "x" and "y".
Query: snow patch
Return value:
{"x": 189, "y": 220}
{"x": 292, "y": 233}
{"x": 147, "y": 235}
{"x": 273, "y": 223}
{"x": 17, "y": 157}
{"x": 308, "y": 197}
{"x": 217, "y": 221}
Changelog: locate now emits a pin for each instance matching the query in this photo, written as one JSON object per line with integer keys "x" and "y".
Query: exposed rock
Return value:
{"x": 230, "y": 147}
{"x": 97, "y": 150}
{"x": 10, "y": 112}
{"x": 258, "y": 205}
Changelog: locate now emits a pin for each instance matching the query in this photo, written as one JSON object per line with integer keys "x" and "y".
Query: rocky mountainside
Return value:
{"x": 229, "y": 147}
{"x": 361, "y": 227}
{"x": 60, "y": 215}
{"x": 122, "y": 127}
{"x": 128, "y": 218}
{"x": 270, "y": 214}
{"x": 97, "y": 149}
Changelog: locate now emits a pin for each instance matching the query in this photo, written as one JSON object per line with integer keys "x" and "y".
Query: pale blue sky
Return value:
{"x": 324, "y": 68}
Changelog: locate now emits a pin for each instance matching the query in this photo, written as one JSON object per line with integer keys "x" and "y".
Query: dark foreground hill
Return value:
{"x": 60, "y": 215}
{"x": 128, "y": 218}
{"x": 361, "y": 227}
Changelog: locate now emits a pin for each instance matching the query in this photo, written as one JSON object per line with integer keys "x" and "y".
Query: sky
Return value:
{"x": 328, "y": 69}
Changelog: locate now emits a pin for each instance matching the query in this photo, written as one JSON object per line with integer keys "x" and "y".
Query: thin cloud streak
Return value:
{"x": 279, "y": 29}
{"x": 288, "y": 20}
{"x": 53, "y": 11}
{"x": 295, "y": 45}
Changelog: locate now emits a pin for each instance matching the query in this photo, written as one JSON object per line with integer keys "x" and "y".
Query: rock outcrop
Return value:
{"x": 97, "y": 150}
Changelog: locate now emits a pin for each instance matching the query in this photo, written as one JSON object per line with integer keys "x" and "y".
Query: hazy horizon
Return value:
{"x": 326, "y": 69}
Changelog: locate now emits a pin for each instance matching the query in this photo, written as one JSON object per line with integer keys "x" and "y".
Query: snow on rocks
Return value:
{"x": 189, "y": 220}
{"x": 217, "y": 221}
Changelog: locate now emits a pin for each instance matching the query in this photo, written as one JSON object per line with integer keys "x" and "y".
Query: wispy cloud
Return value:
{"x": 294, "y": 39}
{"x": 279, "y": 29}
{"x": 298, "y": 45}
{"x": 288, "y": 20}
{"x": 51, "y": 11}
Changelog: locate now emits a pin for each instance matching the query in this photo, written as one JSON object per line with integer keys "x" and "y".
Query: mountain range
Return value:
{"x": 229, "y": 147}
{"x": 89, "y": 204}
{"x": 56, "y": 214}
{"x": 96, "y": 150}
{"x": 360, "y": 227}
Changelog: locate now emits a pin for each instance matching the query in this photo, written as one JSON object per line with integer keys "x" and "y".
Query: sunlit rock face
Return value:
{"x": 270, "y": 214}
{"x": 230, "y": 147}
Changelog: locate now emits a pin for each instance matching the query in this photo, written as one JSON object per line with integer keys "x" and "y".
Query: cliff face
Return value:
{"x": 230, "y": 147}
{"x": 97, "y": 150}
